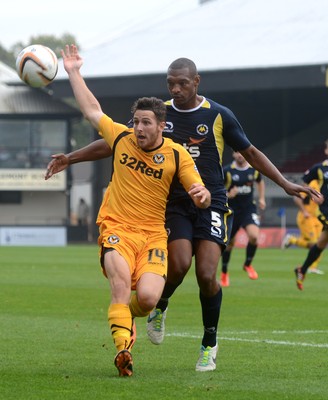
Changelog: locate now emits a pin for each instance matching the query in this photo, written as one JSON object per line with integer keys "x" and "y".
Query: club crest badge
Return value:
{"x": 158, "y": 158}
{"x": 202, "y": 129}
{"x": 113, "y": 239}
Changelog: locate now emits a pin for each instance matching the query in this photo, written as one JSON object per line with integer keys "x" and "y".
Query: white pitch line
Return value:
{"x": 306, "y": 332}
{"x": 278, "y": 342}
{"x": 268, "y": 341}
{"x": 297, "y": 332}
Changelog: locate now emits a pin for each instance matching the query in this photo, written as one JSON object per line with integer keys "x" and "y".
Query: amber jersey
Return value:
{"x": 203, "y": 131}
{"x": 319, "y": 172}
{"x": 243, "y": 179}
{"x": 141, "y": 180}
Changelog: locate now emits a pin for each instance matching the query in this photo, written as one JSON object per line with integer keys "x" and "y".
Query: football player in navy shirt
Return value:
{"x": 203, "y": 127}
{"x": 240, "y": 179}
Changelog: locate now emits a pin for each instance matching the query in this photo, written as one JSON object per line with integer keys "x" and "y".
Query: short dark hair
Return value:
{"x": 152, "y": 104}
{"x": 182, "y": 62}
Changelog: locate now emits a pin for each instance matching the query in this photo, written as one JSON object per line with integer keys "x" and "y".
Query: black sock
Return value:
{"x": 250, "y": 253}
{"x": 313, "y": 255}
{"x": 168, "y": 290}
{"x": 225, "y": 261}
{"x": 211, "y": 307}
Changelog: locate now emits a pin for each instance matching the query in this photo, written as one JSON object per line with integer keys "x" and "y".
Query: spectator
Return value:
{"x": 82, "y": 212}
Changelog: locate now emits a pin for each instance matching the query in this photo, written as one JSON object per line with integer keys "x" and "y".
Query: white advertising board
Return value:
{"x": 33, "y": 236}
{"x": 30, "y": 179}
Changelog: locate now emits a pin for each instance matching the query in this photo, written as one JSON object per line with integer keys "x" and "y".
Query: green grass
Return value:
{"x": 55, "y": 342}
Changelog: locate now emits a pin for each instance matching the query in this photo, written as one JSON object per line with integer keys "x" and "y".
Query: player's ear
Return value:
{"x": 162, "y": 125}
{"x": 197, "y": 80}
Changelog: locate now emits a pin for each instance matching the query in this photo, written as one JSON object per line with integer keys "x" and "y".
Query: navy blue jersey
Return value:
{"x": 203, "y": 131}
{"x": 243, "y": 179}
{"x": 320, "y": 173}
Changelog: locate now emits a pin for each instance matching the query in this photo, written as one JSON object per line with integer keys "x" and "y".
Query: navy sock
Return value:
{"x": 250, "y": 253}
{"x": 211, "y": 307}
{"x": 168, "y": 290}
{"x": 312, "y": 256}
{"x": 225, "y": 261}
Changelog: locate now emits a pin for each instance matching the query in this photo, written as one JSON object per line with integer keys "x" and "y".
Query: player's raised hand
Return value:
{"x": 71, "y": 58}
{"x": 58, "y": 163}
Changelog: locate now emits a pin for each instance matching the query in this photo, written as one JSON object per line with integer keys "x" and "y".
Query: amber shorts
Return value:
{"x": 144, "y": 251}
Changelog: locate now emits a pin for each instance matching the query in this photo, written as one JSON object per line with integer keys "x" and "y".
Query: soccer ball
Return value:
{"x": 37, "y": 65}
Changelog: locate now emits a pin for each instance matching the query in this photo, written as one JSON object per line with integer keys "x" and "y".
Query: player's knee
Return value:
{"x": 179, "y": 266}
{"x": 207, "y": 282}
{"x": 147, "y": 300}
{"x": 253, "y": 240}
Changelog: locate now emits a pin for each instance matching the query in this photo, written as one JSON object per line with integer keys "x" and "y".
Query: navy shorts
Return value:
{"x": 186, "y": 221}
{"x": 245, "y": 217}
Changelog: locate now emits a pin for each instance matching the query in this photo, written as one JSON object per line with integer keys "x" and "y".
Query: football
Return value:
{"x": 37, "y": 65}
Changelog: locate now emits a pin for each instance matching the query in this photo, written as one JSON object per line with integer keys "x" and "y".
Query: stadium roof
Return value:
{"x": 218, "y": 35}
{"x": 237, "y": 45}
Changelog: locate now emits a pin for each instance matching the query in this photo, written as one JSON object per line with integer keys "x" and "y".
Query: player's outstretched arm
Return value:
{"x": 260, "y": 161}
{"x": 87, "y": 102}
{"x": 96, "y": 150}
{"x": 58, "y": 163}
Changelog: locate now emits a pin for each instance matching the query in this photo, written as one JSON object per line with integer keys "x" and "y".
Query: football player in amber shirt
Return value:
{"x": 309, "y": 226}
{"x": 203, "y": 127}
{"x": 133, "y": 239}
{"x": 318, "y": 172}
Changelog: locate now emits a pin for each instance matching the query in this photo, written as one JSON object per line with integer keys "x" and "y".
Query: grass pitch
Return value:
{"x": 55, "y": 342}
